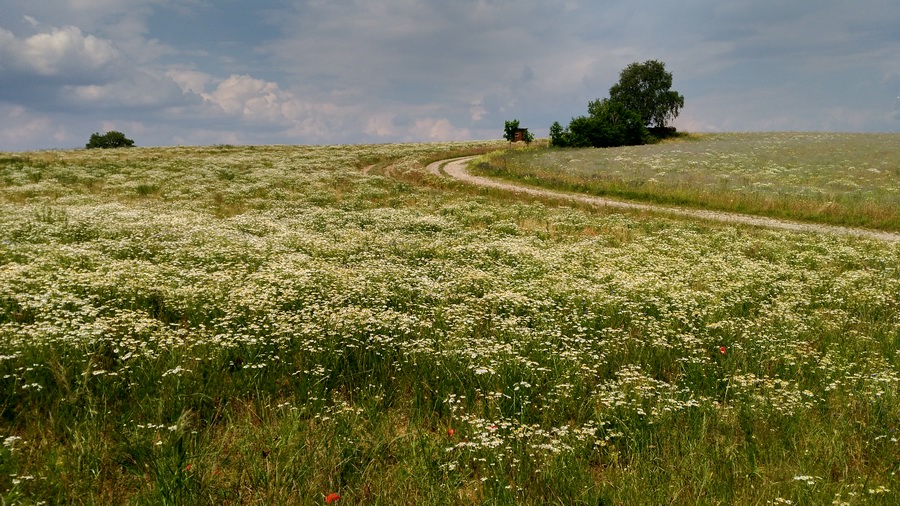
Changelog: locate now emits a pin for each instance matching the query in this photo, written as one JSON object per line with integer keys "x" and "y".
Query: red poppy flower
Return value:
{"x": 722, "y": 350}
{"x": 451, "y": 432}
{"x": 332, "y": 498}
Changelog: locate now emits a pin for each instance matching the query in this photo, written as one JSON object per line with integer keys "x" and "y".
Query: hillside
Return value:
{"x": 273, "y": 325}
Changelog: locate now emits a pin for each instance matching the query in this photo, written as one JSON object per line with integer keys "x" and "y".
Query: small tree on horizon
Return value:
{"x": 558, "y": 137}
{"x": 509, "y": 132}
{"x": 111, "y": 139}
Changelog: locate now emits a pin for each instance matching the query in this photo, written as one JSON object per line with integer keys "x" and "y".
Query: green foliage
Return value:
{"x": 646, "y": 89}
{"x": 558, "y": 136}
{"x": 642, "y": 98}
{"x": 111, "y": 139}
{"x": 608, "y": 124}
{"x": 509, "y": 132}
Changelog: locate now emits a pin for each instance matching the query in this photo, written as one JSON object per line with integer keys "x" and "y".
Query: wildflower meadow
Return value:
{"x": 336, "y": 325}
{"x": 832, "y": 178}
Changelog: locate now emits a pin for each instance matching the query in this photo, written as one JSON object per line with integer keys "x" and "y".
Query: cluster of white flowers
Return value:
{"x": 830, "y": 166}
{"x": 11, "y": 443}
{"x": 547, "y": 330}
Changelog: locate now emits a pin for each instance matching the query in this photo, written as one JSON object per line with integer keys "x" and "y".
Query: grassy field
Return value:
{"x": 838, "y": 179}
{"x": 270, "y": 325}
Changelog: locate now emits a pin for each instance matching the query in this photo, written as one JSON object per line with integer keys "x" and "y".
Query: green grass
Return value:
{"x": 839, "y": 179}
{"x": 269, "y": 325}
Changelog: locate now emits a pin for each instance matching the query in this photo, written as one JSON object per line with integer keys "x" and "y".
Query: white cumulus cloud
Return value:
{"x": 252, "y": 101}
{"x": 57, "y": 52}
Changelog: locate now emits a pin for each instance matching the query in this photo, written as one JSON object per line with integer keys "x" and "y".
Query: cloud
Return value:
{"x": 64, "y": 53}
{"x": 64, "y": 69}
{"x": 109, "y": 17}
{"x": 23, "y": 128}
{"x": 257, "y": 103}
{"x": 439, "y": 130}
{"x": 254, "y": 99}
{"x": 136, "y": 89}
{"x": 337, "y": 71}
{"x": 439, "y": 48}
{"x": 389, "y": 126}
{"x": 191, "y": 81}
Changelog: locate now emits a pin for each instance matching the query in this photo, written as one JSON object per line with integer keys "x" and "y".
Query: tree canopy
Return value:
{"x": 111, "y": 139}
{"x": 645, "y": 88}
{"x": 509, "y": 132}
{"x": 607, "y": 124}
{"x": 641, "y": 99}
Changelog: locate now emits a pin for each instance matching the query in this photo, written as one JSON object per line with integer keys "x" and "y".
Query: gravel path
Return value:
{"x": 456, "y": 168}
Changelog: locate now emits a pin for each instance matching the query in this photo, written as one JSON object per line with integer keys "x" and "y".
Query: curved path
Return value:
{"x": 456, "y": 168}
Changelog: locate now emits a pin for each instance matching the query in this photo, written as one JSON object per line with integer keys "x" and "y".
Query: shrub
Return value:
{"x": 608, "y": 124}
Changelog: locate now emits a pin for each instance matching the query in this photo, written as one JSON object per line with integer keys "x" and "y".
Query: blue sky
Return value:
{"x": 198, "y": 72}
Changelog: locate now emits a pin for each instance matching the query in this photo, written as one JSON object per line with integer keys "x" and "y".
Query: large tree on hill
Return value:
{"x": 645, "y": 88}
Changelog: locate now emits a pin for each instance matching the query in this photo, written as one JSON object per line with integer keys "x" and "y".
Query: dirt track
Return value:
{"x": 456, "y": 168}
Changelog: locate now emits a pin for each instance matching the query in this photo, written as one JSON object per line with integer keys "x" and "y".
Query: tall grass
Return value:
{"x": 840, "y": 179}
{"x": 270, "y": 325}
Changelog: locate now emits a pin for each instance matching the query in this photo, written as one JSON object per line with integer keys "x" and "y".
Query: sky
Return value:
{"x": 203, "y": 72}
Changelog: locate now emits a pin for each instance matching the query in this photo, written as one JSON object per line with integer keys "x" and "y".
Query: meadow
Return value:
{"x": 274, "y": 325}
{"x": 831, "y": 178}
